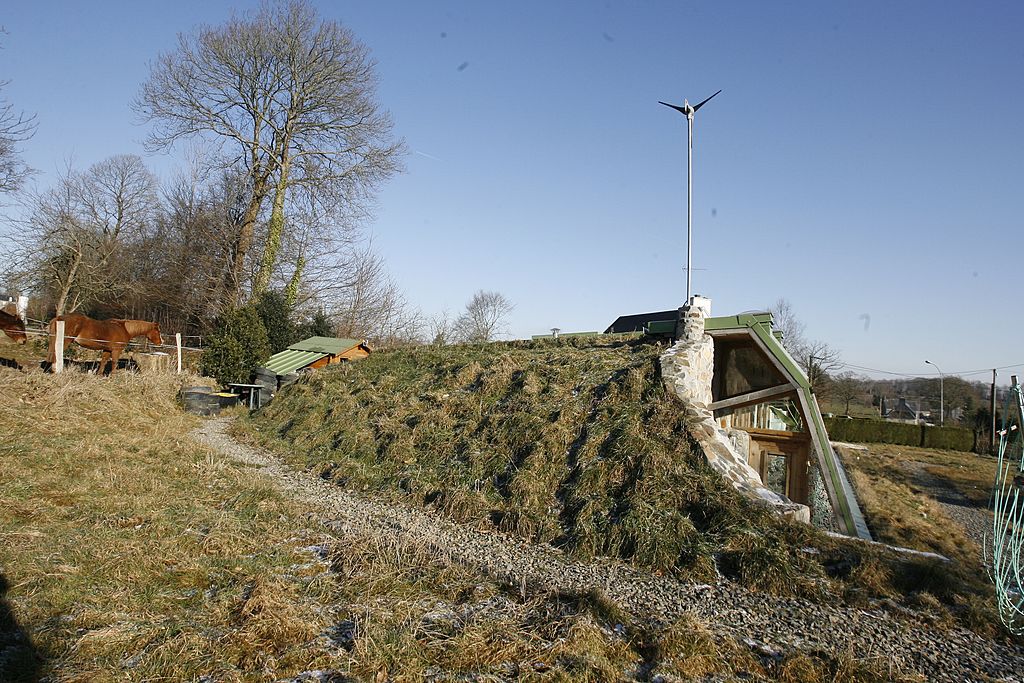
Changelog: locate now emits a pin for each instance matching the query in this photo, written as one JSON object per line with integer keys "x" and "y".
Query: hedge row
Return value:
{"x": 879, "y": 431}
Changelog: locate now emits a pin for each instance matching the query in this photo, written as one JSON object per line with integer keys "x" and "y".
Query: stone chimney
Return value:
{"x": 691, "y": 318}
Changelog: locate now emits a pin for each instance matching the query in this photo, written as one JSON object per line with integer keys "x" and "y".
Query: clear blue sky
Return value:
{"x": 863, "y": 159}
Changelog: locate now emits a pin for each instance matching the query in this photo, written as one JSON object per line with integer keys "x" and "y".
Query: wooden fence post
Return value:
{"x": 58, "y": 348}
{"x": 177, "y": 342}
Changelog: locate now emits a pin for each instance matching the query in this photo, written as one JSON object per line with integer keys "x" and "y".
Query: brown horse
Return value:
{"x": 109, "y": 336}
{"x": 13, "y": 327}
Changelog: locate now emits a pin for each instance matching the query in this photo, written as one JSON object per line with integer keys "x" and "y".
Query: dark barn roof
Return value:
{"x": 635, "y": 323}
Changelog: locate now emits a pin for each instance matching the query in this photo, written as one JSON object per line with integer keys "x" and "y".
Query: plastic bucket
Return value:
{"x": 225, "y": 399}
{"x": 200, "y": 401}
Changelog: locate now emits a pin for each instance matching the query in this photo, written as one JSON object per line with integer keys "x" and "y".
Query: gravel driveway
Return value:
{"x": 975, "y": 521}
{"x": 905, "y": 643}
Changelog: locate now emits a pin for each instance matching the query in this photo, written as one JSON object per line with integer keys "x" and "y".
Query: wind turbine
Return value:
{"x": 688, "y": 111}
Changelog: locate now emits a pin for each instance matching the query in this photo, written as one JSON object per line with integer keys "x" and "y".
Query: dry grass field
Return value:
{"x": 902, "y": 488}
{"x": 129, "y": 553}
{"x": 931, "y": 500}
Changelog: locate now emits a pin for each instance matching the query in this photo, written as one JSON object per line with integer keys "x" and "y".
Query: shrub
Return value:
{"x": 880, "y": 431}
{"x": 237, "y": 345}
{"x": 949, "y": 438}
{"x": 276, "y": 316}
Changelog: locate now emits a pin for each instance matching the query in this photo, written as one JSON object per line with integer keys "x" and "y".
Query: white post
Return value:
{"x": 58, "y": 348}
{"x": 177, "y": 342}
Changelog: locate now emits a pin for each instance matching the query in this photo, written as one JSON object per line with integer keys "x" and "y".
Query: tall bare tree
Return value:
{"x": 485, "y": 317}
{"x": 180, "y": 268}
{"x": 292, "y": 99}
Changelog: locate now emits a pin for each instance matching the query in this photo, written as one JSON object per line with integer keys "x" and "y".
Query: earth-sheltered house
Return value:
{"x": 751, "y": 408}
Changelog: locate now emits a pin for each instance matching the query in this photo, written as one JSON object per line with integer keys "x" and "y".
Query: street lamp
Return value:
{"x": 942, "y": 412}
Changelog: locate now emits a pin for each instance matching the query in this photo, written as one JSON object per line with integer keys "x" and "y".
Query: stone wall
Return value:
{"x": 687, "y": 368}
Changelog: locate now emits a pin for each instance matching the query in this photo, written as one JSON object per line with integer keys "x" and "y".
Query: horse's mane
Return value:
{"x": 136, "y": 328}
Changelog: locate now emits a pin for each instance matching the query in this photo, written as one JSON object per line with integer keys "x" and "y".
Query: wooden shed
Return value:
{"x": 316, "y": 352}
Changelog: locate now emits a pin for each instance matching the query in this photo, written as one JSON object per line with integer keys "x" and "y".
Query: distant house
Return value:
{"x": 316, "y": 352}
{"x": 637, "y": 322}
{"x": 904, "y": 411}
{"x": 15, "y": 304}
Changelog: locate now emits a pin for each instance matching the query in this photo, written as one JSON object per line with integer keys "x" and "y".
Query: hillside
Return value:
{"x": 574, "y": 443}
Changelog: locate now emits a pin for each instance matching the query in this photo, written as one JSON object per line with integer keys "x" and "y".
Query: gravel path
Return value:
{"x": 974, "y": 520}
{"x": 781, "y": 624}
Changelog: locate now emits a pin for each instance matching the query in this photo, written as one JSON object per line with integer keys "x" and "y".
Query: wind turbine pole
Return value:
{"x": 689, "y": 200}
{"x": 688, "y": 111}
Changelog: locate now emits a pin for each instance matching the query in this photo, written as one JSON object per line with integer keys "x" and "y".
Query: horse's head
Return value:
{"x": 18, "y": 334}
{"x": 154, "y": 335}
{"x": 13, "y": 327}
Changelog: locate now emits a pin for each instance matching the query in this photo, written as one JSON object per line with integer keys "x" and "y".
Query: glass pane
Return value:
{"x": 778, "y": 472}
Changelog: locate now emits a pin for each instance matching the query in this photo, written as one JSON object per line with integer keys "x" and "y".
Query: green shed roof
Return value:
{"x": 291, "y": 360}
{"x": 331, "y": 345}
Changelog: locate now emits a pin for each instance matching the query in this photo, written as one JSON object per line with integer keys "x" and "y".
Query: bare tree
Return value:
{"x": 441, "y": 329}
{"x": 15, "y": 127}
{"x": 846, "y": 387}
{"x": 484, "y": 318}
{"x": 816, "y": 358}
{"x": 819, "y": 362}
{"x": 291, "y": 97}
{"x": 374, "y": 308}
{"x": 74, "y": 244}
{"x": 784, "y": 320}
{"x": 322, "y": 254}
{"x": 181, "y": 266}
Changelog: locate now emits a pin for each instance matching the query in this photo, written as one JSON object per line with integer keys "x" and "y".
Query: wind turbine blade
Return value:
{"x": 698, "y": 106}
{"x": 678, "y": 109}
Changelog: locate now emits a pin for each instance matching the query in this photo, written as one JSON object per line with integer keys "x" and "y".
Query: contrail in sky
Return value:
{"x": 424, "y": 154}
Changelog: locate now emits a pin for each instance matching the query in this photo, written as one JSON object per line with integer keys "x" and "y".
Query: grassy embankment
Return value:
{"x": 577, "y": 444}
{"x": 130, "y": 553}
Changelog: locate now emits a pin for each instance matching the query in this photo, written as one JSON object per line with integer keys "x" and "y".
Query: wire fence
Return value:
{"x": 1004, "y": 547}
{"x": 45, "y": 333}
